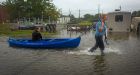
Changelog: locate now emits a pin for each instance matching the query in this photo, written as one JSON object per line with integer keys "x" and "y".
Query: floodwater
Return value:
{"x": 122, "y": 57}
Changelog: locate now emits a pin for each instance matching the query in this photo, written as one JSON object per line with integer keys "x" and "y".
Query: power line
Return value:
{"x": 79, "y": 13}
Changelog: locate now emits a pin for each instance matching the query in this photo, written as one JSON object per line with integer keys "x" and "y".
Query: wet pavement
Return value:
{"x": 122, "y": 57}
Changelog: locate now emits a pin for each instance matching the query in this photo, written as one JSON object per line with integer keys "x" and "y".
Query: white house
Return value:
{"x": 119, "y": 21}
{"x": 63, "y": 20}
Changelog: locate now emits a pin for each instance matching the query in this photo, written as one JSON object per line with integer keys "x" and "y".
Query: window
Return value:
{"x": 119, "y": 18}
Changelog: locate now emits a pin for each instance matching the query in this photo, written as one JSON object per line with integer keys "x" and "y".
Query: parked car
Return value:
{"x": 23, "y": 27}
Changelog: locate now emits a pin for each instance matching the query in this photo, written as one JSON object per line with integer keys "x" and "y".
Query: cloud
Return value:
{"x": 91, "y": 5}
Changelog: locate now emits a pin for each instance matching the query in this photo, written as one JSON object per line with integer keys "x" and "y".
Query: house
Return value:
{"x": 63, "y": 20}
{"x": 135, "y": 26}
{"x": 119, "y": 21}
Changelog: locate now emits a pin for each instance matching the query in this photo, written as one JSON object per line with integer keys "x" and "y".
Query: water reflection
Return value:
{"x": 119, "y": 36}
{"x": 99, "y": 65}
{"x": 123, "y": 36}
{"x": 138, "y": 36}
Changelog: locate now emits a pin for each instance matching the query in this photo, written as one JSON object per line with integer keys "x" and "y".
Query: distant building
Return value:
{"x": 136, "y": 24}
{"x": 119, "y": 21}
{"x": 63, "y": 20}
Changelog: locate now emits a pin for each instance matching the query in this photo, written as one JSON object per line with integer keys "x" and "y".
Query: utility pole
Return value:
{"x": 79, "y": 15}
{"x": 61, "y": 16}
{"x": 99, "y": 10}
{"x": 25, "y": 10}
{"x": 70, "y": 15}
{"x": 30, "y": 11}
{"x": 69, "y": 12}
{"x": 102, "y": 12}
{"x": 49, "y": 19}
{"x": 61, "y": 12}
{"x": 42, "y": 16}
{"x": 120, "y": 8}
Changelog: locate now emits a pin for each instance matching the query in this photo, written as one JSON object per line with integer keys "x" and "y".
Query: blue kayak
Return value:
{"x": 49, "y": 43}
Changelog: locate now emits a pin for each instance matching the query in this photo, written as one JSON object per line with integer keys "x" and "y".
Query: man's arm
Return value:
{"x": 106, "y": 32}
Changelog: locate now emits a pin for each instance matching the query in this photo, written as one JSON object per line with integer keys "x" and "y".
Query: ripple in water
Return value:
{"x": 96, "y": 52}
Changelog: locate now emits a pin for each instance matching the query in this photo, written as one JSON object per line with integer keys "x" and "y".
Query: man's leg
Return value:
{"x": 94, "y": 48}
{"x": 101, "y": 45}
{"x": 96, "y": 44}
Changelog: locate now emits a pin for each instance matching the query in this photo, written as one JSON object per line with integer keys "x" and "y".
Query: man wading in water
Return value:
{"x": 100, "y": 32}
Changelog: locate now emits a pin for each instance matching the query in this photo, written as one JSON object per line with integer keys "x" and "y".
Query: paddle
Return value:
{"x": 86, "y": 30}
{"x": 106, "y": 41}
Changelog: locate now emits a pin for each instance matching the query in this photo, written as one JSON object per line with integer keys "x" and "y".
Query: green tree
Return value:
{"x": 88, "y": 17}
{"x": 73, "y": 19}
{"x": 96, "y": 17}
{"x": 31, "y": 9}
{"x": 135, "y": 14}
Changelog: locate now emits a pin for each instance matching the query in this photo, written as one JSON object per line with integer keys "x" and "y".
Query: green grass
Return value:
{"x": 5, "y": 30}
{"x": 21, "y": 33}
{"x": 28, "y": 33}
{"x": 85, "y": 23}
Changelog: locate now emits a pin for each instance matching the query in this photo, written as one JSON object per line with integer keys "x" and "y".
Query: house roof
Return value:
{"x": 119, "y": 12}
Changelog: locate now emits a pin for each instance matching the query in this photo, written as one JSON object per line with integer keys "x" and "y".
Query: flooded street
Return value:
{"x": 122, "y": 57}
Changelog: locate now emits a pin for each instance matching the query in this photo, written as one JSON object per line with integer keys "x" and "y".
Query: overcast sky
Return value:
{"x": 91, "y": 6}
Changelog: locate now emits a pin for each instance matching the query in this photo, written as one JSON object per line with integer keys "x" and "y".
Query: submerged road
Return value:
{"x": 122, "y": 57}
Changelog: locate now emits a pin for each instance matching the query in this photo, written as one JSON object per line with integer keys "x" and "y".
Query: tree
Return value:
{"x": 135, "y": 14}
{"x": 88, "y": 17}
{"x": 96, "y": 17}
{"x": 73, "y": 19}
{"x": 31, "y": 9}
